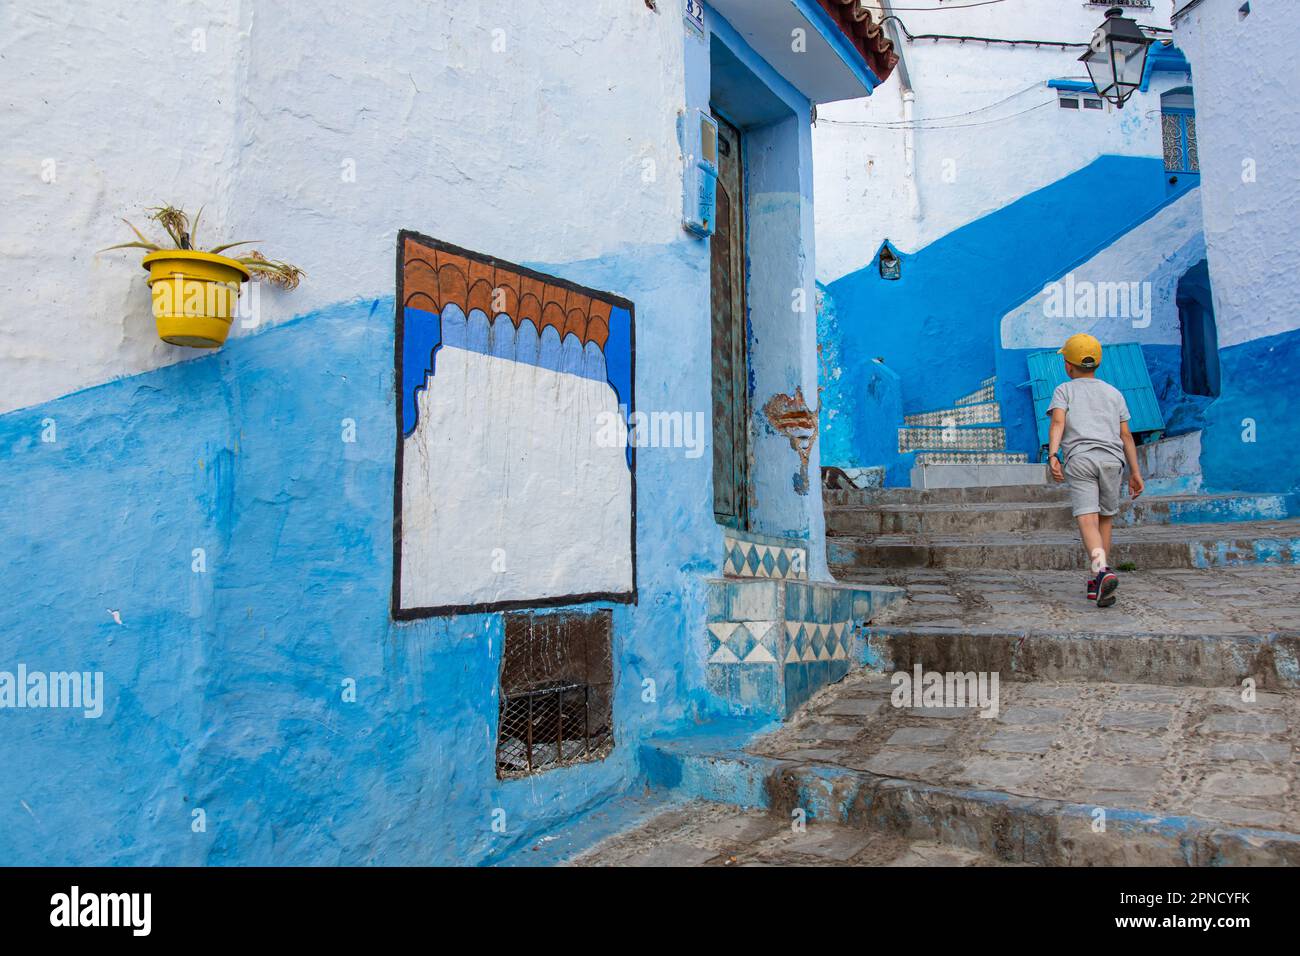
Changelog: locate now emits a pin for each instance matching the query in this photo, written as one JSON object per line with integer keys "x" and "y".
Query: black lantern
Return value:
{"x": 1117, "y": 57}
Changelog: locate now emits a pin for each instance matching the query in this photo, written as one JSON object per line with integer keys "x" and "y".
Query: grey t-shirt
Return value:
{"x": 1094, "y": 411}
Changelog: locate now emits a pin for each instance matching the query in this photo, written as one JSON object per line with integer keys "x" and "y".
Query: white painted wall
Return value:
{"x": 1150, "y": 318}
{"x": 987, "y": 155}
{"x": 1248, "y": 133}
{"x": 253, "y": 109}
{"x": 524, "y": 504}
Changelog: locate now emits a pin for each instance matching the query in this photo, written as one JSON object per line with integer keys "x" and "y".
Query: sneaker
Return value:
{"x": 1107, "y": 583}
{"x": 1092, "y": 589}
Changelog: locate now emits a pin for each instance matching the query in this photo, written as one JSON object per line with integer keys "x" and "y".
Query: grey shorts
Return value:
{"x": 1094, "y": 483}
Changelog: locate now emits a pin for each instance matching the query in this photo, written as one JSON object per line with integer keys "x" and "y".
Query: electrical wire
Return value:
{"x": 929, "y": 119}
{"x": 914, "y": 126}
{"x": 950, "y": 36}
{"x": 1063, "y": 44}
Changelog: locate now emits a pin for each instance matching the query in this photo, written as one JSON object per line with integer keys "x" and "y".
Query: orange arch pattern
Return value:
{"x": 433, "y": 278}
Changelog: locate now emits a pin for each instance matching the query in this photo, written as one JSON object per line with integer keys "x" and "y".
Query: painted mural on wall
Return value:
{"x": 508, "y": 492}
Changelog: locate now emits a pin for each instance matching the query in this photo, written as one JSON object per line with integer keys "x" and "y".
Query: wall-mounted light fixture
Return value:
{"x": 1117, "y": 57}
{"x": 891, "y": 267}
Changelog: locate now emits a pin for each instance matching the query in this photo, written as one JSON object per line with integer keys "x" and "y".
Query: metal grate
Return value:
{"x": 557, "y": 677}
{"x": 1178, "y": 132}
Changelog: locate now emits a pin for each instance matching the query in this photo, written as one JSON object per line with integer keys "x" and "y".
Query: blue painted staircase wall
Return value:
{"x": 938, "y": 327}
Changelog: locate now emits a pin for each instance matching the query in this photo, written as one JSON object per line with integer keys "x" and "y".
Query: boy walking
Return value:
{"x": 1090, "y": 429}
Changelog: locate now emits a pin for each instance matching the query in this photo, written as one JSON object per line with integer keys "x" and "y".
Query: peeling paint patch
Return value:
{"x": 791, "y": 416}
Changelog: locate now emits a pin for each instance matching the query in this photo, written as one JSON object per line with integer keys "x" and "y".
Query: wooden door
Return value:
{"x": 730, "y": 376}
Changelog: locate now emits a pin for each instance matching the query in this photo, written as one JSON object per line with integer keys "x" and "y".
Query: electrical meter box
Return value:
{"x": 700, "y": 141}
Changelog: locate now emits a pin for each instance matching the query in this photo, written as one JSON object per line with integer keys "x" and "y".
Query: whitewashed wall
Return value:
{"x": 224, "y": 104}
{"x": 1248, "y": 134}
{"x": 984, "y": 158}
{"x": 1149, "y": 313}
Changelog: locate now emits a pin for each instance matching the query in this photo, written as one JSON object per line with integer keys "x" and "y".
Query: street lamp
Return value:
{"x": 1116, "y": 57}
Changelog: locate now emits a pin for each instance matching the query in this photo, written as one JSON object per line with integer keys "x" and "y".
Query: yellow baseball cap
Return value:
{"x": 1082, "y": 350}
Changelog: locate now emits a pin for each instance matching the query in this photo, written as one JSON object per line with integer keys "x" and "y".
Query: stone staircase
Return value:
{"x": 1081, "y": 773}
{"x": 1160, "y": 731}
{"x": 963, "y": 445}
{"x": 1030, "y": 527}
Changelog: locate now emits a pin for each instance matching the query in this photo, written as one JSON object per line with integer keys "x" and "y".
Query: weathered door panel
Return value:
{"x": 730, "y": 376}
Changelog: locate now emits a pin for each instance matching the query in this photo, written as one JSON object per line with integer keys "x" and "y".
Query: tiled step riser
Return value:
{"x": 748, "y": 555}
{"x": 772, "y": 644}
{"x": 985, "y": 413}
{"x": 1272, "y": 661}
{"x": 984, "y": 394}
{"x": 945, "y": 439}
{"x": 1012, "y": 828}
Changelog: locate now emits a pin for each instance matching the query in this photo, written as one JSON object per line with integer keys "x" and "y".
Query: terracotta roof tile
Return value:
{"x": 866, "y": 35}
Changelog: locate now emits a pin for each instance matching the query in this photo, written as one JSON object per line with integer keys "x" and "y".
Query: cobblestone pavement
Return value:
{"x": 706, "y": 834}
{"x": 1193, "y": 751}
{"x": 1230, "y": 601}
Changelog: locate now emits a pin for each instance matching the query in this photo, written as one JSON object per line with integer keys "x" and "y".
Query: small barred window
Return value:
{"x": 557, "y": 685}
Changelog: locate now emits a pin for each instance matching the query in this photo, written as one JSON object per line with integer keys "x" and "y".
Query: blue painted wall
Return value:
{"x": 862, "y": 399}
{"x": 1258, "y": 379}
{"x": 938, "y": 327}
{"x": 224, "y": 689}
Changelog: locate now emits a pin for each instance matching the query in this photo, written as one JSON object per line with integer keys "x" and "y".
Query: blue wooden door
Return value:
{"x": 1122, "y": 365}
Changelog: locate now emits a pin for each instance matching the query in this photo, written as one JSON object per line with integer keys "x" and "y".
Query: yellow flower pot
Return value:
{"x": 194, "y": 296}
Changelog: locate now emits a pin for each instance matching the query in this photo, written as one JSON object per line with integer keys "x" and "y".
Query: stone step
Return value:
{"x": 1191, "y": 611}
{"x": 979, "y": 413}
{"x": 981, "y": 517}
{"x": 1146, "y": 547}
{"x": 945, "y": 495}
{"x": 697, "y": 833}
{"x": 1045, "y": 773}
{"x": 957, "y": 438}
{"x": 1007, "y": 469}
{"x": 1203, "y": 659}
{"x": 971, "y": 463}
{"x": 985, "y": 393}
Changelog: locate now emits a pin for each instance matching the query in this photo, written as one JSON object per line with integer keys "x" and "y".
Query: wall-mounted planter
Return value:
{"x": 194, "y": 295}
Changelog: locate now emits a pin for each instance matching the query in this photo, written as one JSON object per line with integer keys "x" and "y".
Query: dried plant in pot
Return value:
{"x": 195, "y": 292}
